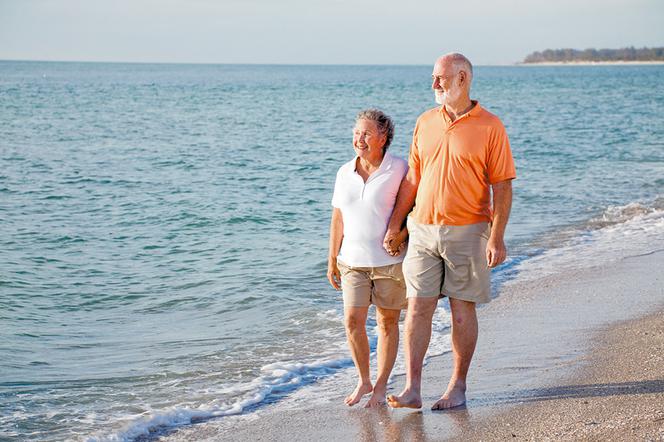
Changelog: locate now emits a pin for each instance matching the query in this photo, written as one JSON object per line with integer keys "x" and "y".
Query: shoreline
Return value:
{"x": 591, "y": 63}
{"x": 538, "y": 336}
{"x": 618, "y": 394}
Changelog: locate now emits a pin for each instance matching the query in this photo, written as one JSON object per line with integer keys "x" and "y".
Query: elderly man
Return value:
{"x": 460, "y": 157}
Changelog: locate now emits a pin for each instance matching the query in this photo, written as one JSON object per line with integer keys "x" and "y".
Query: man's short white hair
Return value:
{"x": 460, "y": 63}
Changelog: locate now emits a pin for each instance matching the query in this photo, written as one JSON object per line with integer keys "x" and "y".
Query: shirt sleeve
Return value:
{"x": 336, "y": 196}
{"x": 500, "y": 164}
{"x": 414, "y": 155}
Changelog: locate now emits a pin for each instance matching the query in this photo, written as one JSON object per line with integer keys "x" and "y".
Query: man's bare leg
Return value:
{"x": 388, "y": 344}
{"x": 417, "y": 333}
{"x": 356, "y": 331}
{"x": 464, "y": 339}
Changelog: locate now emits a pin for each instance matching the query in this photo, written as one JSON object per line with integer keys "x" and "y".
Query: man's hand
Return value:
{"x": 397, "y": 243}
{"x": 392, "y": 241}
{"x": 333, "y": 274}
{"x": 495, "y": 251}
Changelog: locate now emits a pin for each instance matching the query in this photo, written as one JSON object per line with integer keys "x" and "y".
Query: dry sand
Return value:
{"x": 571, "y": 356}
{"x": 618, "y": 395}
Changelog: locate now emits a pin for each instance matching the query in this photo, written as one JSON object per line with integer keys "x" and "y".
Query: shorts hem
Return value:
{"x": 390, "y": 308}
{"x": 420, "y": 295}
{"x": 473, "y": 299}
{"x": 347, "y": 305}
{"x": 381, "y": 306}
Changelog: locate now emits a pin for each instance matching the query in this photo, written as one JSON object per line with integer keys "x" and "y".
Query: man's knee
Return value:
{"x": 421, "y": 308}
{"x": 462, "y": 311}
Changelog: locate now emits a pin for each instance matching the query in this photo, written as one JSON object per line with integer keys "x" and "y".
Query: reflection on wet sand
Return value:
{"x": 387, "y": 425}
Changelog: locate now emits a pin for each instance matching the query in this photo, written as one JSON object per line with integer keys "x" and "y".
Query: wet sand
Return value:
{"x": 618, "y": 395}
{"x": 574, "y": 356}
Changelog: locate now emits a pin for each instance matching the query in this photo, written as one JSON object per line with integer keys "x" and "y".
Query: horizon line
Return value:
{"x": 28, "y": 60}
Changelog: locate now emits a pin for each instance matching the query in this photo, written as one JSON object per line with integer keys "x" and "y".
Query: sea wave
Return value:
{"x": 617, "y": 233}
{"x": 277, "y": 379}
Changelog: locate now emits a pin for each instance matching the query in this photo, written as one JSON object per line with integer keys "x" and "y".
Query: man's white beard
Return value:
{"x": 447, "y": 96}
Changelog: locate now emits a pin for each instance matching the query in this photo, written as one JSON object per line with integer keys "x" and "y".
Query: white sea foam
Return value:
{"x": 619, "y": 232}
{"x": 276, "y": 379}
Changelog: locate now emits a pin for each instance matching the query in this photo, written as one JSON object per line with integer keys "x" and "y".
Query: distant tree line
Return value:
{"x": 571, "y": 55}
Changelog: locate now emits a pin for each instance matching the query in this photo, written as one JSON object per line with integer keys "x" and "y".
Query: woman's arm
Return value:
{"x": 336, "y": 237}
{"x": 399, "y": 242}
{"x": 403, "y": 205}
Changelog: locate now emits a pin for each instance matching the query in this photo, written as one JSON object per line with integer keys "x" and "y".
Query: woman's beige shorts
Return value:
{"x": 382, "y": 286}
{"x": 448, "y": 261}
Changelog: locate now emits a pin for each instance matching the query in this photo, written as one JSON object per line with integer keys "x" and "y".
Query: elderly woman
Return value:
{"x": 364, "y": 195}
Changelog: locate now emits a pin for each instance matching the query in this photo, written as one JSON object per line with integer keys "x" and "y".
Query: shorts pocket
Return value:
{"x": 392, "y": 271}
{"x": 343, "y": 268}
{"x": 486, "y": 232}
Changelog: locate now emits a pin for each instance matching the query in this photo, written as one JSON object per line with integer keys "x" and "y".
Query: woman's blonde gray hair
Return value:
{"x": 383, "y": 121}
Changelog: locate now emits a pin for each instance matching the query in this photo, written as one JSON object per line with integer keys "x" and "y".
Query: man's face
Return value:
{"x": 444, "y": 83}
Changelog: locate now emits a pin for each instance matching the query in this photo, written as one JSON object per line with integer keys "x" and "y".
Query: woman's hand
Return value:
{"x": 333, "y": 274}
{"x": 398, "y": 243}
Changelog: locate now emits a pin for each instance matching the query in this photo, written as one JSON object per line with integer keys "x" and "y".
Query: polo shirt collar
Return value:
{"x": 473, "y": 112}
{"x": 384, "y": 165}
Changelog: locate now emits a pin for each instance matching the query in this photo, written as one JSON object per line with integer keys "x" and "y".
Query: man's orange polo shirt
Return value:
{"x": 456, "y": 163}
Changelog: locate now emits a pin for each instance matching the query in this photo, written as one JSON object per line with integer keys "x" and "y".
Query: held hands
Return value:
{"x": 394, "y": 242}
{"x": 495, "y": 251}
{"x": 333, "y": 274}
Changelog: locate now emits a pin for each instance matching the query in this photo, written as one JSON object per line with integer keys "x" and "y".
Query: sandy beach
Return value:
{"x": 574, "y": 356}
{"x": 617, "y": 395}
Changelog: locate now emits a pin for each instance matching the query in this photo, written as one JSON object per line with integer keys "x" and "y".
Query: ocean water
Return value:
{"x": 164, "y": 227}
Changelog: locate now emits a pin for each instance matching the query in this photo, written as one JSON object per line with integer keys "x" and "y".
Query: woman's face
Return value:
{"x": 368, "y": 140}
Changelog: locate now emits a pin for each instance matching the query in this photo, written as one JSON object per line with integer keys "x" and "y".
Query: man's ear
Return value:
{"x": 463, "y": 77}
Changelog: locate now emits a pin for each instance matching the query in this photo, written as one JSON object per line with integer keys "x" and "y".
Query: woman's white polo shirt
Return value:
{"x": 366, "y": 209}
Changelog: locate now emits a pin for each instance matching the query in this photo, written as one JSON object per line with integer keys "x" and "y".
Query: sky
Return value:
{"x": 319, "y": 32}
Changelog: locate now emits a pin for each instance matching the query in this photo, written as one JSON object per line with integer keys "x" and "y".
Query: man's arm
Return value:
{"x": 502, "y": 204}
{"x": 336, "y": 237}
{"x": 403, "y": 205}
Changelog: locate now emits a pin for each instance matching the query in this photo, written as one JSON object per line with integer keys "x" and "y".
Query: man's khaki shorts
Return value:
{"x": 382, "y": 286}
{"x": 448, "y": 261}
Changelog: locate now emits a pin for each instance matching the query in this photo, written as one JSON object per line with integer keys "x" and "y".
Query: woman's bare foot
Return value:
{"x": 377, "y": 399}
{"x": 356, "y": 395}
{"x": 453, "y": 397}
{"x": 407, "y": 399}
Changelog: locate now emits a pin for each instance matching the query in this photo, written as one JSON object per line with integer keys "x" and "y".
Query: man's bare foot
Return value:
{"x": 407, "y": 399}
{"x": 377, "y": 399}
{"x": 454, "y": 396}
{"x": 356, "y": 395}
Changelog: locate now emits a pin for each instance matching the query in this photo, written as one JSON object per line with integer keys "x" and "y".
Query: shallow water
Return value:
{"x": 165, "y": 226}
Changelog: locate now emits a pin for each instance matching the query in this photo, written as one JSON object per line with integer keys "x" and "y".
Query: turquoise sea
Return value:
{"x": 164, "y": 227}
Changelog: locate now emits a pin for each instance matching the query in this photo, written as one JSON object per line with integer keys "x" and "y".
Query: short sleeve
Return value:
{"x": 414, "y": 155}
{"x": 336, "y": 196}
{"x": 500, "y": 164}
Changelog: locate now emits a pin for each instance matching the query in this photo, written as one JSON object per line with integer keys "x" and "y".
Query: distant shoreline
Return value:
{"x": 589, "y": 63}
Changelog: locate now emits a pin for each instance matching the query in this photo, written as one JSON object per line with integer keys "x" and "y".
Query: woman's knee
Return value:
{"x": 355, "y": 321}
{"x": 387, "y": 320}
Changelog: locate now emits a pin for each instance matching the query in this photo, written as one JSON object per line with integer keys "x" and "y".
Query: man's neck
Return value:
{"x": 459, "y": 108}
